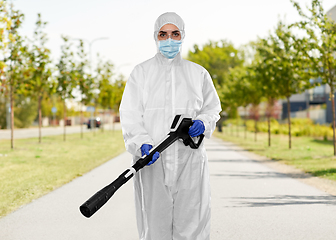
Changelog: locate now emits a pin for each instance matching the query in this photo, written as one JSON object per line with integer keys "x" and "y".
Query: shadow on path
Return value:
{"x": 262, "y": 175}
{"x": 233, "y": 150}
{"x": 281, "y": 200}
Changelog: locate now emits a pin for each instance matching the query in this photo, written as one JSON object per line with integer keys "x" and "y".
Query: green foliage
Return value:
{"x": 39, "y": 82}
{"x": 291, "y": 77}
{"x": 15, "y": 52}
{"x": 219, "y": 58}
{"x": 319, "y": 43}
{"x": 84, "y": 80}
{"x": 5, "y": 25}
{"x": 110, "y": 91}
{"x": 66, "y": 79}
{"x": 238, "y": 93}
{"x": 117, "y": 91}
{"x": 104, "y": 79}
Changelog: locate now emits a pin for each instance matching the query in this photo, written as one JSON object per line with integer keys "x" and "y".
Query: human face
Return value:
{"x": 169, "y": 31}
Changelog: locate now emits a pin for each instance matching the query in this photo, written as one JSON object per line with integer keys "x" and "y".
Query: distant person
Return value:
{"x": 172, "y": 196}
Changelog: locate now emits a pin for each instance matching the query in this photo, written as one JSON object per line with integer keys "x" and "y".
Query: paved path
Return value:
{"x": 254, "y": 202}
{"x": 47, "y": 131}
{"x": 249, "y": 201}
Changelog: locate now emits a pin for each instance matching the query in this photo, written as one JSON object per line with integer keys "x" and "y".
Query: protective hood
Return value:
{"x": 168, "y": 18}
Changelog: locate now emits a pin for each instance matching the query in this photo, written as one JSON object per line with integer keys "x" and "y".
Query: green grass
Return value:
{"x": 32, "y": 169}
{"x": 311, "y": 155}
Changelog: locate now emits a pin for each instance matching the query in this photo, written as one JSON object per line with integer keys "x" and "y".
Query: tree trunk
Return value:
{"x": 64, "y": 119}
{"x": 269, "y": 113}
{"x": 94, "y": 122}
{"x": 40, "y": 116}
{"x": 245, "y": 123}
{"x": 255, "y": 129}
{"x": 93, "y": 125}
{"x": 269, "y": 130}
{"x": 102, "y": 122}
{"x": 12, "y": 115}
{"x": 289, "y": 124}
{"x": 237, "y": 128}
{"x": 112, "y": 122}
{"x": 333, "y": 113}
{"x": 307, "y": 103}
{"x": 81, "y": 121}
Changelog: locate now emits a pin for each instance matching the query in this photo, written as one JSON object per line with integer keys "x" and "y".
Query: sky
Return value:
{"x": 129, "y": 24}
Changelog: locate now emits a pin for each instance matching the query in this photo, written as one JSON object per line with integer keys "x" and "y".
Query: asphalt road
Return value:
{"x": 250, "y": 201}
{"x": 47, "y": 131}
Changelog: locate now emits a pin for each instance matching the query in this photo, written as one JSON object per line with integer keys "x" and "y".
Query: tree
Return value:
{"x": 255, "y": 95}
{"x": 265, "y": 70}
{"x": 66, "y": 79}
{"x": 118, "y": 87}
{"x": 84, "y": 80}
{"x": 319, "y": 46}
{"x": 235, "y": 92}
{"x": 241, "y": 89}
{"x": 39, "y": 56}
{"x": 5, "y": 27}
{"x": 104, "y": 85}
{"x": 218, "y": 58}
{"x": 288, "y": 66}
{"x": 13, "y": 65}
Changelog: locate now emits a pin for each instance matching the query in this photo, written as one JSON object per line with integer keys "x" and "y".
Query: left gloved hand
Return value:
{"x": 197, "y": 128}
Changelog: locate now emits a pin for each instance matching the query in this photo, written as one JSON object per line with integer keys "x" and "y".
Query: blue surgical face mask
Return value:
{"x": 170, "y": 48}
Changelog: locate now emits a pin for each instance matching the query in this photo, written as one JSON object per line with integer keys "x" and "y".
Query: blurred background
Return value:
{"x": 64, "y": 65}
{"x": 66, "y": 62}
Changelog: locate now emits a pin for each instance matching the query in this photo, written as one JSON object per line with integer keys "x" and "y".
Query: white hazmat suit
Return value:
{"x": 172, "y": 196}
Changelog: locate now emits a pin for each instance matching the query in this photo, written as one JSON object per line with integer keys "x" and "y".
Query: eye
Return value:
{"x": 162, "y": 35}
{"x": 176, "y": 35}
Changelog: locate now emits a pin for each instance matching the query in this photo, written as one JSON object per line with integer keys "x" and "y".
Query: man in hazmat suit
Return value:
{"x": 172, "y": 195}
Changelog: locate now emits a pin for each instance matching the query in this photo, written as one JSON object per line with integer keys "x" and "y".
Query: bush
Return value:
{"x": 299, "y": 127}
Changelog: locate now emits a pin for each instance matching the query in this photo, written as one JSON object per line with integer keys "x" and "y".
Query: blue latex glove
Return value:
{"x": 196, "y": 129}
{"x": 145, "y": 151}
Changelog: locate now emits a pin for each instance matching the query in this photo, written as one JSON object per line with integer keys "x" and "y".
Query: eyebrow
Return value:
{"x": 172, "y": 31}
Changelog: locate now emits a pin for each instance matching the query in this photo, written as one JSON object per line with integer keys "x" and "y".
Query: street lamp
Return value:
{"x": 90, "y": 47}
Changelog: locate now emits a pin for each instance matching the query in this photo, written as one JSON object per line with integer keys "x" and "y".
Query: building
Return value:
{"x": 313, "y": 104}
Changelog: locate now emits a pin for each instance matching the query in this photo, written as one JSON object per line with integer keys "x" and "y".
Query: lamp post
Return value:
{"x": 90, "y": 47}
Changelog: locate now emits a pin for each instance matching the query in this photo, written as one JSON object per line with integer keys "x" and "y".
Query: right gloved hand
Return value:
{"x": 145, "y": 151}
{"x": 197, "y": 128}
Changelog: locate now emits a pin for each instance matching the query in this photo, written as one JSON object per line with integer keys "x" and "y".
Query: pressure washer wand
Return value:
{"x": 179, "y": 130}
